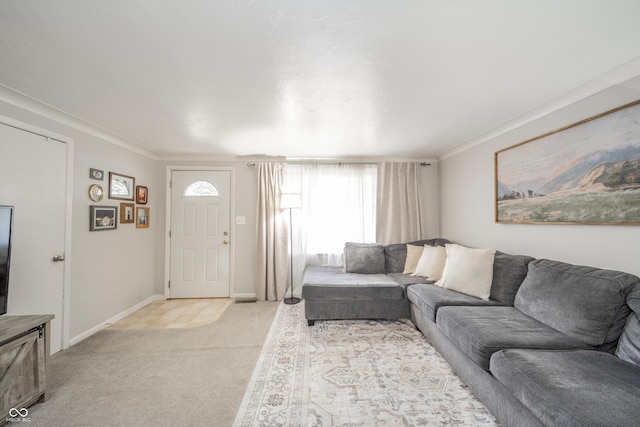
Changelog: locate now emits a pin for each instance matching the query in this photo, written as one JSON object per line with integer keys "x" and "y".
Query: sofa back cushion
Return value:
{"x": 629, "y": 345}
{"x": 366, "y": 258}
{"x": 585, "y": 303}
{"x": 395, "y": 254}
{"x": 508, "y": 273}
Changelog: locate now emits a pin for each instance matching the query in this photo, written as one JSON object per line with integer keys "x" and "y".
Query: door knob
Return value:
{"x": 58, "y": 258}
{"x": 226, "y": 242}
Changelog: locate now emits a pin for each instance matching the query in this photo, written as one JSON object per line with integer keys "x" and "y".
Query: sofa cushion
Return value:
{"x": 407, "y": 279}
{"x": 629, "y": 344}
{"x": 431, "y": 262}
{"x": 429, "y": 298}
{"x": 333, "y": 284}
{"x": 481, "y": 331}
{"x": 395, "y": 254}
{"x": 468, "y": 270}
{"x": 585, "y": 303}
{"x": 508, "y": 273}
{"x": 364, "y": 258}
{"x": 571, "y": 388}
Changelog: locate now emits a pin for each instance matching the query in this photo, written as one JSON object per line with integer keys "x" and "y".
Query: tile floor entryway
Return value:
{"x": 175, "y": 313}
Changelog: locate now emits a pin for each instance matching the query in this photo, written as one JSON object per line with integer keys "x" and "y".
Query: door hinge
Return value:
{"x": 40, "y": 331}
{"x": 169, "y": 233}
{"x": 169, "y": 284}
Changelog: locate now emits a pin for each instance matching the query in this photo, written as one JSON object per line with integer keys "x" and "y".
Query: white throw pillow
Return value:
{"x": 413, "y": 256}
{"x": 431, "y": 262}
{"x": 468, "y": 271}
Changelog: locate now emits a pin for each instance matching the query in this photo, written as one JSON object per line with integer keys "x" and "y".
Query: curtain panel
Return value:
{"x": 399, "y": 203}
{"x": 272, "y": 260}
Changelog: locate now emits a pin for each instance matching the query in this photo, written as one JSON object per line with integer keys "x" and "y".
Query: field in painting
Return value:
{"x": 608, "y": 207}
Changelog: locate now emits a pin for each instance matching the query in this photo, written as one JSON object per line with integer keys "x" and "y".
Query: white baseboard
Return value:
{"x": 245, "y": 296}
{"x": 86, "y": 334}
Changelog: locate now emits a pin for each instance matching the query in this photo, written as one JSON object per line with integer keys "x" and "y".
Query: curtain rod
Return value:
{"x": 251, "y": 165}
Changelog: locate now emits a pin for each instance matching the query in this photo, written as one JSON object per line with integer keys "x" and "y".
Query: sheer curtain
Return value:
{"x": 399, "y": 200}
{"x": 338, "y": 205}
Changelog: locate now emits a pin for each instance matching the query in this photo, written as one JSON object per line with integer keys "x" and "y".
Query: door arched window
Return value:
{"x": 201, "y": 189}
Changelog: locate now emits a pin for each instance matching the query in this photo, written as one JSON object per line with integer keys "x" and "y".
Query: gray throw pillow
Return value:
{"x": 366, "y": 258}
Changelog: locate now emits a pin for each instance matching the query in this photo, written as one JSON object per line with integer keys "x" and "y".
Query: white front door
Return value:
{"x": 33, "y": 180}
{"x": 200, "y": 234}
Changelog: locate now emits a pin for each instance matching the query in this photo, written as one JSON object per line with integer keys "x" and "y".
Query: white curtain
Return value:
{"x": 272, "y": 260}
{"x": 338, "y": 205}
{"x": 399, "y": 203}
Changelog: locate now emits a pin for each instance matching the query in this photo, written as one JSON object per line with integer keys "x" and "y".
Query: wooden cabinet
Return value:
{"x": 24, "y": 356}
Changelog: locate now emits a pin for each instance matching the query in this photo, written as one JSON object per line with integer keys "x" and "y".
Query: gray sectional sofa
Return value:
{"x": 555, "y": 344}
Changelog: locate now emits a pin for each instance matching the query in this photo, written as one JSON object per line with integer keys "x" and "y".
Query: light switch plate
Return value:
{"x": 240, "y": 220}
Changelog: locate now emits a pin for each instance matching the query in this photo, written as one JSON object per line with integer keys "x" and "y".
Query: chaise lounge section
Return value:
{"x": 370, "y": 286}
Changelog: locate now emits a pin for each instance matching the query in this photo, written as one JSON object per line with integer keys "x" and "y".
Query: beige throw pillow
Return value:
{"x": 413, "y": 255}
{"x": 431, "y": 262}
{"x": 468, "y": 271}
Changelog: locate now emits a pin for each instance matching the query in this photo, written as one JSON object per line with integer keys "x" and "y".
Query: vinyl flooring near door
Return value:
{"x": 200, "y": 234}
{"x": 33, "y": 180}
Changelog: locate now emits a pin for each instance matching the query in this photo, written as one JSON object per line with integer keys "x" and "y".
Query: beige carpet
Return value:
{"x": 356, "y": 373}
{"x": 156, "y": 377}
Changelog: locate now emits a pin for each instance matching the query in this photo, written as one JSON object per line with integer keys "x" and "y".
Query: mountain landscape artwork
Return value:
{"x": 585, "y": 173}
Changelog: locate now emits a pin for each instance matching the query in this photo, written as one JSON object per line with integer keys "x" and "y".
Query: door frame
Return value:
{"x": 167, "y": 225}
{"x": 69, "y": 168}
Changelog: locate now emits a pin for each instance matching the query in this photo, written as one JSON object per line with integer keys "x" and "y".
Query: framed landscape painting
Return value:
{"x": 585, "y": 173}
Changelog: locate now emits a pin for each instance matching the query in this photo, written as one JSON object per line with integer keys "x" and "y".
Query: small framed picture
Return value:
{"x": 96, "y": 174}
{"x": 121, "y": 187}
{"x": 103, "y": 218}
{"x": 141, "y": 194}
{"x": 142, "y": 217}
{"x": 127, "y": 213}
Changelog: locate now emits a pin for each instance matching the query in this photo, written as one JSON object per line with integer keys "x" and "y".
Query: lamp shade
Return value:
{"x": 289, "y": 201}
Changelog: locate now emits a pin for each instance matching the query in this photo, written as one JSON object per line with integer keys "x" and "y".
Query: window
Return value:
{"x": 338, "y": 205}
{"x": 200, "y": 189}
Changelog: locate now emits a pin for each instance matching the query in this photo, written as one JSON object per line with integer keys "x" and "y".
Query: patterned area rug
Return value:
{"x": 354, "y": 373}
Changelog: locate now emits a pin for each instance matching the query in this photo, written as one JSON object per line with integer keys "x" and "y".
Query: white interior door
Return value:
{"x": 200, "y": 234}
{"x": 33, "y": 180}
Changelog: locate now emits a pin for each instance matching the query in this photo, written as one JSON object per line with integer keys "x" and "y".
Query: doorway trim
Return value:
{"x": 167, "y": 225}
{"x": 69, "y": 168}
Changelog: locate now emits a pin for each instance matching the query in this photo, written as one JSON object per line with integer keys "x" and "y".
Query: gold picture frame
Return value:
{"x": 584, "y": 173}
{"x": 142, "y": 216}
{"x": 127, "y": 213}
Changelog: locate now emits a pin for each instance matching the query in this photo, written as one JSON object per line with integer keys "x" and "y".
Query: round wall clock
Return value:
{"x": 96, "y": 192}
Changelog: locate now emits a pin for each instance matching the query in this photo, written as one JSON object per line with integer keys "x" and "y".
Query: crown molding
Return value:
{"x": 618, "y": 75}
{"x": 47, "y": 111}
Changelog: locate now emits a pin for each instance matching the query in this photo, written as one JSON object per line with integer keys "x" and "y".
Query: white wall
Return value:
{"x": 430, "y": 190}
{"x": 467, "y": 198}
{"x": 111, "y": 271}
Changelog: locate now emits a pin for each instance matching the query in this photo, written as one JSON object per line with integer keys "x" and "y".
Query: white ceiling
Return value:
{"x": 308, "y": 78}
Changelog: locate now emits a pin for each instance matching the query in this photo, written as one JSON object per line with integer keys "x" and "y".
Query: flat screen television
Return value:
{"x": 6, "y": 223}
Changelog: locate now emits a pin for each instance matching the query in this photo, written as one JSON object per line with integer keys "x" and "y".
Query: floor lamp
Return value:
{"x": 290, "y": 201}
